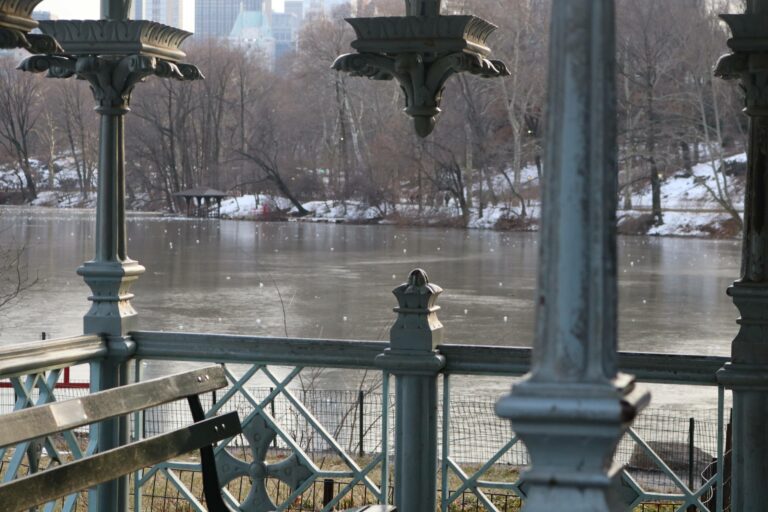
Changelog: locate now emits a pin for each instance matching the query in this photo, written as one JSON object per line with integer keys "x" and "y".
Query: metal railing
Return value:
{"x": 33, "y": 371}
{"x": 34, "y": 368}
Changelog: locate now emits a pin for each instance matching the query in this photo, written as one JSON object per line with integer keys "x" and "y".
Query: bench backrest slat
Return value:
{"x": 57, "y": 482}
{"x": 45, "y": 420}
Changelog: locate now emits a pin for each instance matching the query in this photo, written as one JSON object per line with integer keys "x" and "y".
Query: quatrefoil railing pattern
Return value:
{"x": 247, "y": 457}
{"x": 30, "y": 456}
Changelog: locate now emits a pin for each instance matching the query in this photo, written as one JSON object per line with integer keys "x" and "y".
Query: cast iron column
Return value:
{"x": 111, "y": 274}
{"x": 113, "y": 55}
{"x": 573, "y": 407}
{"x": 415, "y": 361}
{"x": 747, "y": 373}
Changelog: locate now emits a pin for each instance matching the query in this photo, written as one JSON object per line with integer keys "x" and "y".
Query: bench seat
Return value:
{"x": 45, "y": 420}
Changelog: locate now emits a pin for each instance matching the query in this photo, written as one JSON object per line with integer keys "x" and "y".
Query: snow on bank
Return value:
{"x": 250, "y": 207}
{"x": 59, "y": 199}
{"x": 689, "y": 208}
{"x": 681, "y": 223}
{"x": 690, "y": 193}
{"x": 698, "y": 224}
{"x": 688, "y": 205}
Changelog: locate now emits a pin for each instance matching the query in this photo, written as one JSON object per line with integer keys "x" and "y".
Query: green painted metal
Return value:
{"x": 16, "y": 22}
{"x": 421, "y": 50}
{"x": 414, "y": 361}
{"x": 298, "y": 470}
{"x": 747, "y": 373}
{"x": 24, "y": 387}
{"x": 445, "y": 444}
{"x": 461, "y": 359}
{"x": 385, "y": 409}
{"x": 720, "y": 448}
{"x": 672, "y": 370}
{"x": 113, "y": 54}
{"x": 574, "y": 406}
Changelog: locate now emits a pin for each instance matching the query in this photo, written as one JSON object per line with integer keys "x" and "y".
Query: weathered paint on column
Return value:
{"x": 112, "y": 54}
{"x": 747, "y": 373}
{"x": 574, "y": 406}
{"x": 414, "y": 360}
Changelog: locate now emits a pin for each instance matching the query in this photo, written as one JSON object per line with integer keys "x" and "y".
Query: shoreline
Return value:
{"x": 701, "y": 223}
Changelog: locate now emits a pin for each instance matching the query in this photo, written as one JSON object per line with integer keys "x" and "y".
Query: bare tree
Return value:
{"x": 19, "y": 97}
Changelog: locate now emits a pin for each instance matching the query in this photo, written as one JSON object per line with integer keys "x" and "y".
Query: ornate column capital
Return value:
{"x": 16, "y": 23}
{"x": 421, "y": 51}
{"x": 129, "y": 52}
{"x": 749, "y": 61}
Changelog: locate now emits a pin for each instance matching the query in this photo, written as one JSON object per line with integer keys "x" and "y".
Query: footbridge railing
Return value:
{"x": 293, "y": 445}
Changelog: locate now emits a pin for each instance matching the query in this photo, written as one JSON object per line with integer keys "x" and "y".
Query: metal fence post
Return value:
{"x": 691, "y": 458}
{"x": 272, "y": 411}
{"x": 328, "y": 491}
{"x": 413, "y": 358}
{"x": 360, "y": 419}
{"x": 574, "y": 406}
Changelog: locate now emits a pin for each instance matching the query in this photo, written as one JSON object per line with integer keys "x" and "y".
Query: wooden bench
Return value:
{"x": 59, "y": 481}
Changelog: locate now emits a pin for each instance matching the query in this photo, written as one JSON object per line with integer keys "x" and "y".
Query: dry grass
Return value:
{"x": 160, "y": 494}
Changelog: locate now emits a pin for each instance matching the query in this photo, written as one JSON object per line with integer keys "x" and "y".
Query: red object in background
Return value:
{"x": 66, "y": 383}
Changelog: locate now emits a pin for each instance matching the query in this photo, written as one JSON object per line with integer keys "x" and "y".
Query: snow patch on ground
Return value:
{"x": 699, "y": 224}
{"x": 678, "y": 192}
{"x": 689, "y": 208}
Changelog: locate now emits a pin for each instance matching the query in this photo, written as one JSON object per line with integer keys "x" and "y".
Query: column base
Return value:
{"x": 749, "y": 384}
{"x": 571, "y": 431}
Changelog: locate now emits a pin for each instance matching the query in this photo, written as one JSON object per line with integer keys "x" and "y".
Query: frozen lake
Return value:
{"x": 336, "y": 281}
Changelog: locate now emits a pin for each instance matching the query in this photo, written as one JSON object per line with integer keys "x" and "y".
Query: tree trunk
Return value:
{"x": 650, "y": 148}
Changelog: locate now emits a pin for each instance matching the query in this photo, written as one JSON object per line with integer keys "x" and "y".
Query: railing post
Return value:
{"x": 747, "y": 373}
{"x": 415, "y": 361}
{"x": 574, "y": 406}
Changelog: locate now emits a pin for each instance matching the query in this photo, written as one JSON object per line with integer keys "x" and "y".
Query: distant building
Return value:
{"x": 43, "y": 15}
{"x": 285, "y": 27}
{"x": 295, "y": 8}
{"x": 168, "y": 12}
{"x": 137, "y": 10}
{"x": 252, "y": 30}
{"x": 216, "y": 18}
{"x": 329, "y": 7}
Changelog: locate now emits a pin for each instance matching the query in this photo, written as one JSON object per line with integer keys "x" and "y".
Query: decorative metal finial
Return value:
{"x": 417, "y": 326}
{"x": 16, "y": 23}
{"x": 421, "y": 50}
